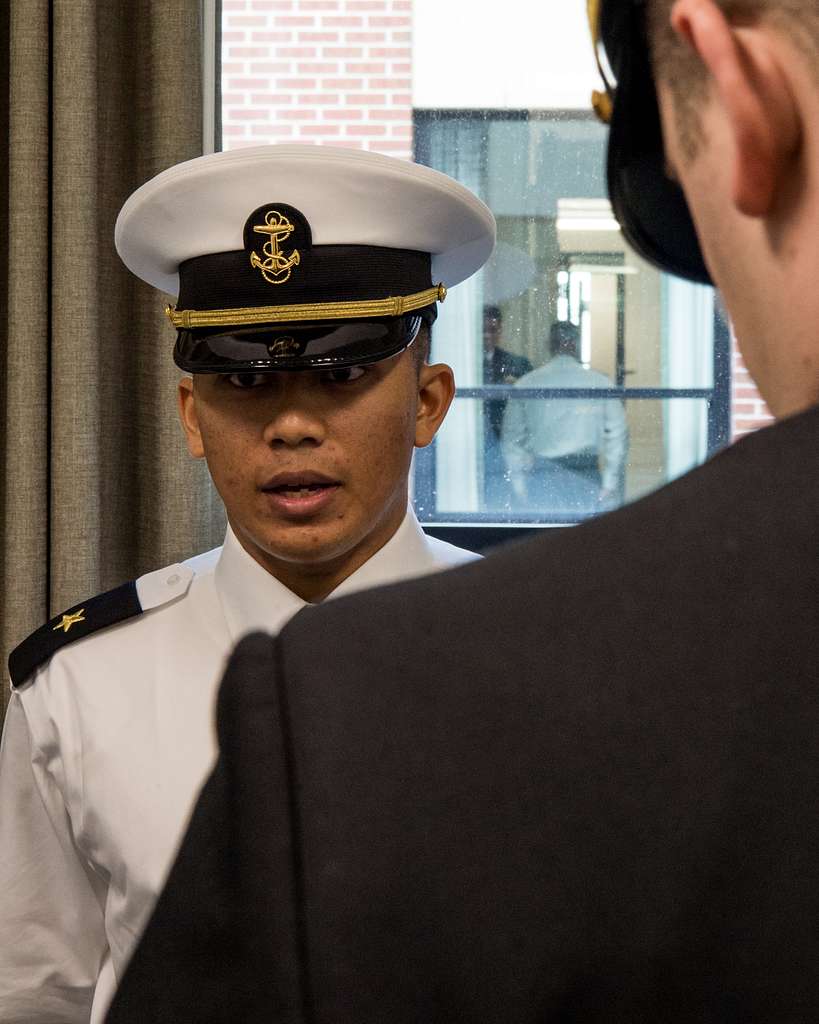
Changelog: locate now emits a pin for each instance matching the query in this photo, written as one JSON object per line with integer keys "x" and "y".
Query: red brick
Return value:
{"x": 389, "y": 83}
{"x": 401, "y": 99}
{"x": 366, "y": 129}
{"x": 234, "y": 37}
{"x": 366, "y": 37}
{"x": 302, "y": 114}
{"x": 393, "y": 114}
{"x": 341, "y": 114}
{"x": 247, "y": 115}
{"x": 392, "y": 52}
{"x": 343, "y": 21}
{"x": 237, "y": 21}
{"x": 365, "y": 99}
{"x": 233, "y": 129}
{"x": 299, "y": 52}
{"x": 243, "y": 84}
{"x": 273, "y": 98}
{"x": 321, "y": 129}
{"x": 247, "y": 51}
{"x": 401, "y": 129}
{"x": 749, "y": 426}
{"x": 343, "y": 83}
{"x": 314, "y": 68}
{"x": 297, "y": 21}
{"x": 388, "y": 21}
{"x": 296, "y": 83}
{"x": 318, "y": 5}
{"x": 271, "y": 37}
{"x": 365, "y": 5}
{"x": 271, "y": 68}
{"x": 364, "y": 69}
{"x": 402, "y": 37}
{"x": 272, "y": 130}
{"x": 348, "y": 52}
{"x": 272, "y": 5}
{"x": 319, "y": 37}
{"x": 319, "y": 99}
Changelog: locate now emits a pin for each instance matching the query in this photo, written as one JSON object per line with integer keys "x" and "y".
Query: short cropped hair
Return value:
{"x": 675, "y": 64}
{"x": 564, "y": 336}
{"x": 420, "y": 347}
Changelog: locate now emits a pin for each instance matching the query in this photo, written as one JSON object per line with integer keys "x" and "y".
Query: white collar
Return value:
{"x": 252, "y": 598}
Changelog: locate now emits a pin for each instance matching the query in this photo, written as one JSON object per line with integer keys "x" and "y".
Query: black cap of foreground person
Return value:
{"x": 649, "y": 206}
{"x": 301, "y": 257}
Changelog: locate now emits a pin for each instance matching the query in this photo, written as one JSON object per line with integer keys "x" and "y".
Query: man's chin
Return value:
{"x": 316, "y": 544}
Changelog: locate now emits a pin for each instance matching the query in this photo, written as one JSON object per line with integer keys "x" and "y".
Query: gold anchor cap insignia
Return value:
{"x": 286, "y": 346}
{"x": 276, "y": 266}
{"x": 68, "y": 621}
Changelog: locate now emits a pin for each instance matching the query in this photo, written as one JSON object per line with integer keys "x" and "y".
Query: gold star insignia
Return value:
{"x": 69, "y": 620}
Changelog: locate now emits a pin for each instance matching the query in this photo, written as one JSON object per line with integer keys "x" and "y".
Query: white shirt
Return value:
{"x": 104, "y": 751}
{"x": 554, "y": 427}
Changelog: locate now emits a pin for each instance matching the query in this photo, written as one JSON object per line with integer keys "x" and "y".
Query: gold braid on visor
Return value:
{"x": 601, "y": 101}
{"x": 356, "y": 310}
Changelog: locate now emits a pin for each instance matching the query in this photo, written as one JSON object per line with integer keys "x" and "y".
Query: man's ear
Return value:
{"x": 186, "y": 403}
{"x": 436, "y": 389}
{"x": 751, "y": 84}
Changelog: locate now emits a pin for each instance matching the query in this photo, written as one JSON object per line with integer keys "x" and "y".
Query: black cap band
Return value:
{"x": 329, "y": 273}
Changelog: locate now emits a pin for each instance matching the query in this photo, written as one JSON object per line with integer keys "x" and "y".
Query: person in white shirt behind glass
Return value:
{"x": 565, "y": 455}
{"x": 307, "y": 280}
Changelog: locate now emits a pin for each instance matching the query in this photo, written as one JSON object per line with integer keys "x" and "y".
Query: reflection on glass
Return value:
{"x": 565, "y": 453}
{"x": 500, "y": 366}
{"x": 542, "y": 427}
{"x": 634, "y": 460}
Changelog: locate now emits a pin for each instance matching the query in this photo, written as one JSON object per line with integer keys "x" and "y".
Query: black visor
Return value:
{"x": 650, "y": 207}
{"x": 304, "y": 346}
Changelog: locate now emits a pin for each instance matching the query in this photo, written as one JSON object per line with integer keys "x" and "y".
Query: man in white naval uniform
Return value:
{"x": 309, "y": 391}
{"x": 554, "y": 448}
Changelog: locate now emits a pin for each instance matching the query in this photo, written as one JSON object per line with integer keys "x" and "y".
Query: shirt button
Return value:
{"x": 172, "y": 580}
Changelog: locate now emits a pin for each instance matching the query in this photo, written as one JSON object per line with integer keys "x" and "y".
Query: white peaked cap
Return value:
{"x": 349, "y": 197}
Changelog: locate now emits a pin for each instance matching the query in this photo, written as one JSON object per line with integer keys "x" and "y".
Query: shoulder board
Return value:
{"x": 115, "y": 606}
{"x": 78, "y": 622}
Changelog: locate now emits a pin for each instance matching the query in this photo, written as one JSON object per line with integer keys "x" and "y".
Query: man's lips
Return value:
{"x": 299, "y": 480}
{"x": 300, "y": 493}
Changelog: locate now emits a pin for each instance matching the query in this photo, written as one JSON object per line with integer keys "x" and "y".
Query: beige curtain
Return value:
{"x": 96, "y": 485}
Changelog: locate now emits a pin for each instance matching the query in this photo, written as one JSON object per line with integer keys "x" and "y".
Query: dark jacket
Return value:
{"x": 578, "y": 781}
{"x": 501, "y": 367}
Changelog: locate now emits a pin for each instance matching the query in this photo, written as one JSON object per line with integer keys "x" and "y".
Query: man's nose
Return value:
{"x": 296, "y": 417}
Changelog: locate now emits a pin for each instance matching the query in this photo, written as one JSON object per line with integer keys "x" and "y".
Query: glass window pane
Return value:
{"x": 650, "y": 442}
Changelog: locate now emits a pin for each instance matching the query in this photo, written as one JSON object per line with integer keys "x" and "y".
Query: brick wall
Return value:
{"x": 748, "y": 408}
{"x": 336, "y": 72}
